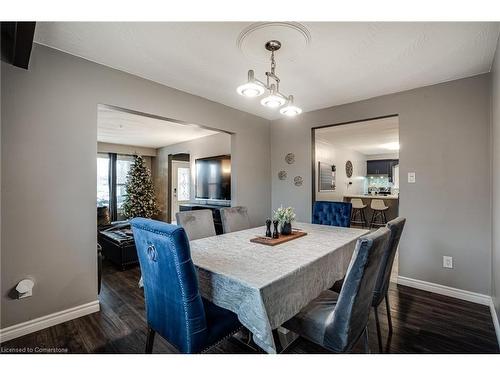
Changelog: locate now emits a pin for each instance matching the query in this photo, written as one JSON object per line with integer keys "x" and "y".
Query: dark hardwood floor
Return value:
{"x": 423, "y": 323}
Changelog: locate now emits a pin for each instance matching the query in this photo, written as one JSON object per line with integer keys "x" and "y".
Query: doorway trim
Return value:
{"x": 313, "y": 149}
{"x": 172, "y": 157}
{"x": 169, "y": 160}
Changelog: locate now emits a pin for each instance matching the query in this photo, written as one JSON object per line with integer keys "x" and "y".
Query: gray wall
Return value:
{"x": 444, "y": 136}
{"x": 331, "y": 153}
{"x": 213, "y": 145}
{"x": 495, "y": 123}
{"x": 49, "y": 133}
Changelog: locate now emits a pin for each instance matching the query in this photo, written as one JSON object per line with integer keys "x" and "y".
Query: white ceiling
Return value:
{"x": 367, "y": 137}
{"x": 341, "y": 63}
{"x": 114, "y": 126}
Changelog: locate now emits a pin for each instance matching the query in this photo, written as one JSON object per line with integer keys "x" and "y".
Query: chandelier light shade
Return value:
{"x": 252, "y": 88}
{"x": 275, "y": 99}
{"x": 290, "y": 109}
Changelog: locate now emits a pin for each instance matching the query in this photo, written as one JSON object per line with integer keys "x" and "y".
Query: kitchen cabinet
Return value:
{"x": 376, "y": 167}
{"x": 381, "y": 167}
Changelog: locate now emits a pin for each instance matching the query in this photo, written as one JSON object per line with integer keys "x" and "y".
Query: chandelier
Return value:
{"x": 275, "y": 98}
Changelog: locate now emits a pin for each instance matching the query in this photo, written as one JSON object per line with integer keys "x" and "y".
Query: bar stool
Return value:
{"x": 358, "y": 210}
{"x": 378, "y": 207}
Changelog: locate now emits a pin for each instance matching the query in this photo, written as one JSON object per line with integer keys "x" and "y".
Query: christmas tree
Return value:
{"x": 140, "y": 199}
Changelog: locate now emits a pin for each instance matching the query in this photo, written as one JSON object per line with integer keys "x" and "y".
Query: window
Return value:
{"x": 183, "y": 184}
{"x": 112, "y": 171}
{"x": 123, "y": 163}
{"x": 102, "y": 180}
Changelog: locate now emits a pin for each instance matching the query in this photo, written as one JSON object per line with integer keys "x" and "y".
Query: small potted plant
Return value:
{"x": 285, "y": 216}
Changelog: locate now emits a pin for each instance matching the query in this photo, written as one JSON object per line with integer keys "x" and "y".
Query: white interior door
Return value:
{"x": 181, "y": 185}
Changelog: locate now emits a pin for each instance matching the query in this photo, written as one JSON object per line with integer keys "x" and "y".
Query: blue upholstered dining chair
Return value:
{"x": 384, "y": 277}
{"x": 332, "y": 213}
{"x": 338, "y": 321}
{"x": 174, "y": 307}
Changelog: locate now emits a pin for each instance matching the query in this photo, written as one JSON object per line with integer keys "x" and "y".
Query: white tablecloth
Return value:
{"x": 267, "y": 285}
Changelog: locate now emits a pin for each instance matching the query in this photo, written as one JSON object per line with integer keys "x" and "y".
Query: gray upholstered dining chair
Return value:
{"x": 381, "y": 287}
{"x": 197, "y": 223}
{"x": 234, "y": 219}
{"x": 338, "y": 321}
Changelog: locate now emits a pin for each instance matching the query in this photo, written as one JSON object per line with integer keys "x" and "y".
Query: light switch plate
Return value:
{"x": 447, "y": 262}
{"x": 411, "y": 177}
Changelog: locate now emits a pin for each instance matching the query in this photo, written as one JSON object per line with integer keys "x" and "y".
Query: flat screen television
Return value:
{"x": 213, "y": 177}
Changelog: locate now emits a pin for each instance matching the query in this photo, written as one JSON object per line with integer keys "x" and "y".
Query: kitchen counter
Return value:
{"x": 363, "y": 196}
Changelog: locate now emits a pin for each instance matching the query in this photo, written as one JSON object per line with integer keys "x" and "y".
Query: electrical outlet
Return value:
{"x": 447, "y": 262}
{"x": 411, "y": 177}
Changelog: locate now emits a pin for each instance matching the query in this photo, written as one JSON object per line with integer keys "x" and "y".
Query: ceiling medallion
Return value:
{"x": 293, "y": 35}
{"x": 274, "y": 99}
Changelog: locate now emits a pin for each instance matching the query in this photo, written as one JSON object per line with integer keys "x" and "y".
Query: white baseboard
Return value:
{"x": 494, "y": 316}
{"x": 46, "y": 321}
{"x": 465, "y": 295}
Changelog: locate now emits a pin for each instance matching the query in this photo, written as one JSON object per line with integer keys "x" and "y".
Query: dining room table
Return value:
{"x": 267, "y": 285}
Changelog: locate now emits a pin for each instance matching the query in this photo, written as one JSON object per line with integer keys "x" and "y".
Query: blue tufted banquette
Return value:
{"x": 332, "y": 213}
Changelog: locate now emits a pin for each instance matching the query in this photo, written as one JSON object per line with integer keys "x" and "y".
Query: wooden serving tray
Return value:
{"x": 276, "y": 241}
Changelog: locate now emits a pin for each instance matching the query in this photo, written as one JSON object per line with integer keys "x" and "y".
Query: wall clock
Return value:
{"x": 348, "y": 169}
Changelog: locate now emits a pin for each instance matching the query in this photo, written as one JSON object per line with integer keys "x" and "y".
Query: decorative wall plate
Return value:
{"x": 297, "y": 180}
{"x": 290, "y": 158}
{"x": 348, "y": 168}
{"x": 282, "y": 175}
